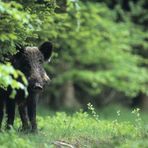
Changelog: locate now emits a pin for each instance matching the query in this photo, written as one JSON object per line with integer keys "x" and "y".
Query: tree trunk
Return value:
{"x": 68, "y": 98}
{"x": 141, "y": 101}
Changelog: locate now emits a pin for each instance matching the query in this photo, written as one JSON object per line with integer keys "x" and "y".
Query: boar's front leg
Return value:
{"x": 23, "y": 115}
{"x": 31, "y": 104}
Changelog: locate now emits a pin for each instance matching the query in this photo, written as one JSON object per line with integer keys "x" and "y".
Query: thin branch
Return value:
{"x": 61, "y": 143}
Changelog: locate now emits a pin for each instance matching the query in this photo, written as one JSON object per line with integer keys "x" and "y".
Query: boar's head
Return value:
{"x": 29, "y": 60}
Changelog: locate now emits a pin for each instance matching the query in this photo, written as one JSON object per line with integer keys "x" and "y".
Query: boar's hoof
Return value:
{"x": 24, "y": 129}
{"x": 9, "y": 127}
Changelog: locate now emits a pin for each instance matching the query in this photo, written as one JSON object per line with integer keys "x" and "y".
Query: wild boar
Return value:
{"x": 28, "y": 60}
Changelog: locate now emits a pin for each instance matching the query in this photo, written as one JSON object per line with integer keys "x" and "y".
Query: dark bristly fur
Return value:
{"x": 30, "y": 61}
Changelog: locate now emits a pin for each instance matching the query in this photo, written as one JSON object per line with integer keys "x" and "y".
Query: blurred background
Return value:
{"x": 100, "y": 49}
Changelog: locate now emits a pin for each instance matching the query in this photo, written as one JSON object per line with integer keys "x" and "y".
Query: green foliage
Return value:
{"x": 14, "y": 26}
{"x": 19, "y": 24}
{"x": 9, "y": 76}
{"x": 97, "y": 47}
{"x": 97, "y": 51}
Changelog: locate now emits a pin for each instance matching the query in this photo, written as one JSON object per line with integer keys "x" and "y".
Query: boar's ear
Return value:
{"x": 46, "y": 50}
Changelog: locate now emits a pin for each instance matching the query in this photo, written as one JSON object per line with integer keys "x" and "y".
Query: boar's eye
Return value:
{"x": 41, "y": 61}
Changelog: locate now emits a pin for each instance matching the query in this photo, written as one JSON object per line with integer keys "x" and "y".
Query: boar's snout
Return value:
{"x": 38, "y": 86}
{"x": 35, "y": 83}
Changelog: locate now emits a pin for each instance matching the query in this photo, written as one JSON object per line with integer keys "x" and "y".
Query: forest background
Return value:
{"x": 100, "y": 49}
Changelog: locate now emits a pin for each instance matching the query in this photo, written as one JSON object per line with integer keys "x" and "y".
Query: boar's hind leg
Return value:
{"x": 1, "y": 111}
{"x": 23, "y": 115}
{"x": 10, "y": 112}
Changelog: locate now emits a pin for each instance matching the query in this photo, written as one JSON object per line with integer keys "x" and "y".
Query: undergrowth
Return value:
{"x": 81, "y": 130}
